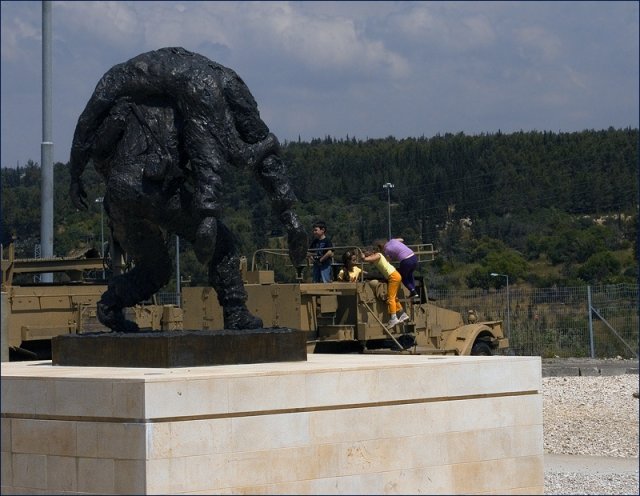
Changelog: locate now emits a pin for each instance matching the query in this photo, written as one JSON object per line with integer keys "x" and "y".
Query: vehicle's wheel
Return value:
{"x": 481, "y": 348}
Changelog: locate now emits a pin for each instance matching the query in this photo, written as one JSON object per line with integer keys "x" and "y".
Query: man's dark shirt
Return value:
{"x": 322, "y": 246}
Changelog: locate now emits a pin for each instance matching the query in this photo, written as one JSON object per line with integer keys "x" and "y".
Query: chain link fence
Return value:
{"x": 549, "y": 322}
{"x": 165, "y": 298}
{"x": 556, "y": 322}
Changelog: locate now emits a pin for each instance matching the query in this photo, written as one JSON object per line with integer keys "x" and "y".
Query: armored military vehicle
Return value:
{"x": 33, "y": 312}
{"x": 338, "y": 317}
{"x": 349, "y": 316}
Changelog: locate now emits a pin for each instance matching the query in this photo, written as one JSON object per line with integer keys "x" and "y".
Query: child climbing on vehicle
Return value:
{"x": 373, "y": 256}
{"x": 395, "y": 250}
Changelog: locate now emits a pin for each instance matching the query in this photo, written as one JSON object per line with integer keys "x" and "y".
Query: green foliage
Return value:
{"x": 493, "y": 256}
{"x": 507, "y": 262}
{"x": 601, "y": 267}
{"x": 541, "y": 207}
{"x": 479, "y": 278}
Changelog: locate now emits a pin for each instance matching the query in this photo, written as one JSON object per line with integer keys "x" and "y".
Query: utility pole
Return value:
{"x": 100, "y": 200}
{"x": 46, "y": 147}
{"x": 178, "y": 286}
{"x": 388, "y": 187}
{"x": 495, "y": 274}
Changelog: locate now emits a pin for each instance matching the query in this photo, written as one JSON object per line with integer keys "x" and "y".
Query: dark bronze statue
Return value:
{"x": 160, "y": 129}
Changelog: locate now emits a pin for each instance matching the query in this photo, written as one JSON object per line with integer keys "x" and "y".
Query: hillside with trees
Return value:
{"x": 545, "y": 208}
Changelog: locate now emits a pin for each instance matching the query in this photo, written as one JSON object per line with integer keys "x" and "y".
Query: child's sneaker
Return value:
{"x": 393, "y": 321}
{"x": 403, "y": 318}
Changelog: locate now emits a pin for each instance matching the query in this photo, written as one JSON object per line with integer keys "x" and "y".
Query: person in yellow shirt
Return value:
{"x": 349, "y": 272}
{"x": 394, "y": 280}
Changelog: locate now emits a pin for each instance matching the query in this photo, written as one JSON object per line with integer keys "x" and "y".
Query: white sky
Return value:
{"x": 363, "y": 69}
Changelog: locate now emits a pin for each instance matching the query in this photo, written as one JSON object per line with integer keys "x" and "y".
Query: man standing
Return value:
{"x": 320, "y": 253}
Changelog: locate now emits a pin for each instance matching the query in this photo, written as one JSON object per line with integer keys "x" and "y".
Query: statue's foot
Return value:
{"x": 238, "y": 318}
{"x": 127, "y": 326}
{"x": 113, "y": 318}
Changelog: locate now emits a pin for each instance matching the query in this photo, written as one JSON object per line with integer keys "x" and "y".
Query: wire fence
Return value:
{"x": 549, "y": 322}
{"x": 556, "y": 321}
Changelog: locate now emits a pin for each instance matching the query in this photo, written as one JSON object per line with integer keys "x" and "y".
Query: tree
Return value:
{"x": 601, "y": 267}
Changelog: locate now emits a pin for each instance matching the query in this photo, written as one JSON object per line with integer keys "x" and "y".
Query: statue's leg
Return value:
{"x": 145, "y": 244}
{"x": 226, "y": 279}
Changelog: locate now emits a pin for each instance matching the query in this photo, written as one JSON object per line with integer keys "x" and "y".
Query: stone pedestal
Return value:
{"x": 169, "y": 349}
{"x": 333, "y": 424}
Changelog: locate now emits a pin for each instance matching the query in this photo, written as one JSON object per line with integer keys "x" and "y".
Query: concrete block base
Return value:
{"x": 333, "y": 424}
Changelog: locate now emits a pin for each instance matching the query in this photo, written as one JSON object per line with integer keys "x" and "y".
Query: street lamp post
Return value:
{"x": 388, "y": 187}
{"x": 100, "y": 200}
{"x": 178, "y": 288}
{"x": 495, "y": 274}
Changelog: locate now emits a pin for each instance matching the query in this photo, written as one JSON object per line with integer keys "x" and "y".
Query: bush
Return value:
{"x": 601, "y": 267}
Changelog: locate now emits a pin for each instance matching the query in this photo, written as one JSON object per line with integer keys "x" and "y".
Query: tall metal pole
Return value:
{"x": 495, "y": 274}
{"x": 592, "y": 347}
{"x": 508, "y": 309}
{"x": 102, "y": 231}
{"x": 178, "y": 290}
{"x": 388, "y": 187}
{"x": 100, "y": 200}
{"x": 102, "y": 237}
{"x": 46, "y": 147}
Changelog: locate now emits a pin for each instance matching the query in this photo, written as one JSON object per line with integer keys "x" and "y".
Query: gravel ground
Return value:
{"x": 593, "y": 416}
